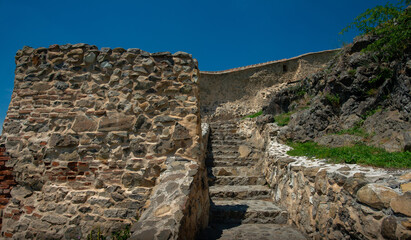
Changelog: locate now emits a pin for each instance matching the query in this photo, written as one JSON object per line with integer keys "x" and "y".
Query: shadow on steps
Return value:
{"x": 223, "y": 217}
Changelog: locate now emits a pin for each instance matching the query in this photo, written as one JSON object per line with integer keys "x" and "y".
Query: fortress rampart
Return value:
{"x": 88, "y": 133}
{"x": 241, "y": 91}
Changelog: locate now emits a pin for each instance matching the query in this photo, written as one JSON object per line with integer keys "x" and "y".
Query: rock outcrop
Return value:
{"x": 354, "y": 91}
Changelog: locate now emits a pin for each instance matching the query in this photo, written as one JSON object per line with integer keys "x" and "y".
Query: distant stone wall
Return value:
{"x": 241, "y": 91}
{"x": 88, "y": 133}
{"x": 339, "y": 201}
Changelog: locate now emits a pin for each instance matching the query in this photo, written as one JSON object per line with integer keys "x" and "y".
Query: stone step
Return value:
{"x": 229, "y": 162}
{"x": 251, "y": 192}
{"x": 228, "y": 157}
{"x": 222, "y": 147}
{"x": 223, "y": 152}
{"x": 231, "y": 142}
{"x": 227, "y": 137}
{"x": 251, "y": 231}
{"x": 225, "y": 128}
{"x": 247, "y": 211}
{"x": 236, "y": 180}
{"x": 229, "y": 150}
{"x": 232, "y": 171}
{"x": 223, "y": 124}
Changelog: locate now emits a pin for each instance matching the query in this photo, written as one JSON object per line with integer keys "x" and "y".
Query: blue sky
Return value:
{"x": 221, "y": 34}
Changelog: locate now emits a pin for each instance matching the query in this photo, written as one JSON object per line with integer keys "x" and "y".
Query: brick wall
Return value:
{"x": 6, "y": 181}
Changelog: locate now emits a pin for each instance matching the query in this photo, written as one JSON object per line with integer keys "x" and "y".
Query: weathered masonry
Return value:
{"x": 88, "y": 134}
{"x": 100, "y": 139}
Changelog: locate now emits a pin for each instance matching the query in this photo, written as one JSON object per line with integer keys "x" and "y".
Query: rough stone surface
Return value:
{"x": 87, "y": 134}
{"x": 349, "y": 95}
{"x": 337, "y": 201}
{"x": 376, "y": 196}
{"x": 401, "y": 204}
{"x": 179, "y": 205}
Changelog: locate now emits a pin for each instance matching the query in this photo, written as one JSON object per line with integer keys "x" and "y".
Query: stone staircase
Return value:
{"x": 241, "y": 205}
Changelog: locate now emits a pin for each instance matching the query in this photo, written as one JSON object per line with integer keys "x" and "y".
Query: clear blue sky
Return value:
{"x": 221, "y": 34}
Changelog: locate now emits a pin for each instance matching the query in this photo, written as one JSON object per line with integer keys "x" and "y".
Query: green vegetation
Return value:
{"x": 371, "y": 112}
{"x": 356, "y": 131}
{"x": 283, "y": 119}
{"x": 254, "y": 115}
{"x": 372, "y": 92}
{"x": 119, "y": 235}
{"x": 383, "y": 73}
{"x": 390, "y": 23}
{"x": 352, "y": 72}
{"x": 334, "y": 99}
{"x": 359, "y": 154}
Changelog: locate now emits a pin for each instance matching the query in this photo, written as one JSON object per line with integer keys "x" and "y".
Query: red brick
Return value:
{"x": 40, "y": 120}
{"x": 25, "y": 111}
{"x": 55, "y": 164}
{"x": 15, "y": 211}
{"x": 43, "y": 110}
{"x": 8, "y": 235}
{"x": 4, "y": 158}
{"x": 6, "y": 172}
{"x": 29, "y": 209}
{"x": 62, "y": 110}
{"x": 61, "y": 178}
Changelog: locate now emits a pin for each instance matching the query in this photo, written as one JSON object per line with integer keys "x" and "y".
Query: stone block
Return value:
{"x": 83, "y": 123}
{"x": 376, "y": 196}
{"x": 116, "y": 122}
{"x": 401, "y": 204}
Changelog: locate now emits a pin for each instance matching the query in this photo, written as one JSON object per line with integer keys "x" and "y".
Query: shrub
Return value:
{"x": 390, "y": 23}
{"x": 334, "y": 99}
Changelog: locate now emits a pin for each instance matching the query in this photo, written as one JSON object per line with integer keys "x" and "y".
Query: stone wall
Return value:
{"x": 6, "y": 181}
{"x": 338, "y": 201}
{"x": 241, "y": 91}
{"x": 179, "y": 206}
{"x": 88, "y": 132}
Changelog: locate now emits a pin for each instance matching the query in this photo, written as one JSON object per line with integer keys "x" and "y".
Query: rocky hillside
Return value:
{"x": 356, "y": 98}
